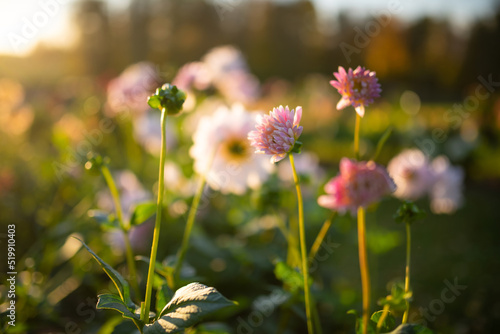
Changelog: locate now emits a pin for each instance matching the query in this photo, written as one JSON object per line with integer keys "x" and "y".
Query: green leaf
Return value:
{"x": 411, "y": 329}
{"x": 154, "y": 102}
{"x": 292, "y": 278}
{"x": 104, "y": 219}
{"x": 188, "y": 306}
{"x": 372, "y": 327}
{"x": 163, "y": 295}
{"x": 165, "y": 271}
{"x": 113, "y": 302}
{"x": 120, "y": 283}
{"x": 381, "y": 142}
{"x": 388, "y": 324}
{"x": 143, "y": 212}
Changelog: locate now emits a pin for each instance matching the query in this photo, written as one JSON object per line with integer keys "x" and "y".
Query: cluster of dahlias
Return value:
{"x": 416, "y": 176}
{"x": 224, "y": 68}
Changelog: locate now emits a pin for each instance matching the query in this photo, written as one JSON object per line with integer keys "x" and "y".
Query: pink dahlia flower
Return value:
{"x": 358, "y": 88}
{"x": 358, "y": 185}
{"x": 277, "y": 132}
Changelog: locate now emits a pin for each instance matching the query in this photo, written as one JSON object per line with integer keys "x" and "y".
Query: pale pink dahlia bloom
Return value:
{"x": 358, "y": 185}
{"x": 446, "y": 192}
{"x": 412, "y": 173}
{"x": 130, "y": 91}
{"x": 358, "y": 88}
{"x": 277, "y": 132}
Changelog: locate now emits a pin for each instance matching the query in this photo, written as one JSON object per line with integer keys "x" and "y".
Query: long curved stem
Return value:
{"x": 125, "y": 226}
{"x": 303, "y": 249}
{"x": 363, "y": 264}
{"x": 321, "y": 236}
{"x": 189, "y": 227}
{"x": 356, "y": 136}
{"x": 156, "y": 234}
{"x": 407, "y": 277}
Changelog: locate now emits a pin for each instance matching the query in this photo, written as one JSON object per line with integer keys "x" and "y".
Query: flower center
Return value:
{"x": 236, "y": 149}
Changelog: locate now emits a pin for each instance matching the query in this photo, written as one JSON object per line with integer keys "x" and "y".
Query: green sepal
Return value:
{"x": 408, "y": 212}
{"x": 297, "y": 147}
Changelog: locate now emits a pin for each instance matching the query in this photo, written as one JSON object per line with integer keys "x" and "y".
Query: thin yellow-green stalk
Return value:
{"x": 363, "y": 264}
{"x": 303, "y": 249}
{"x": 407, "y": 276}
{"x": 156, "y": 233}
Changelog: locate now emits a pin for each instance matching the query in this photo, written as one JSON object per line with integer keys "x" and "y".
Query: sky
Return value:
{"x": 24, "y": 23}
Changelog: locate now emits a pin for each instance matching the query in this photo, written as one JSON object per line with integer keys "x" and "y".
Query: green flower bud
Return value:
{"x": 168, "y": 98}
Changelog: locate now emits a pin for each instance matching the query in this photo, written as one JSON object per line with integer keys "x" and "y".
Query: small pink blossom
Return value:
{"x": 277, "y": 132}
{"x": 358, "y": 88}
{"x": 358, "y": 185}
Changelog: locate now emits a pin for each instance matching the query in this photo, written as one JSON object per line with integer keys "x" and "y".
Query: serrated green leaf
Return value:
{"x": 188, "y": 306}
{"x": 120, "y": 282}
{"x": 388, "y": 324}
{"x": 411, "y": 329}
{"x": 113, "y": 302}
{"x": 143, "y": 212}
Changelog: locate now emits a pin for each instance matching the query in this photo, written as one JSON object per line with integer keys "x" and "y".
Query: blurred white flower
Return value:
{"x": 229, "y": 73}
{"x": 130, "y": 90}
{"x": 239, "y": 86}
{"x": 177, "y": 182}
{"x": 446, "y": 192}
{"x": 412, "y": 173}
{"x": 222, "y": 151}
{"x": 223, "y": 60}
{"x": 195, "y": 74}
{"x": 147, "y": 132}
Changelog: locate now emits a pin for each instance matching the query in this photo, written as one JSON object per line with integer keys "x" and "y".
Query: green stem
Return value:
{"x": 129, "y": 254}
{"x": 363, "y": 264}
{"x": 156, "y": 233}
{"x": 356, "y": 136}
{"x": 303, "y": 249}
{"x": 189, "y": 227}
{"x": 321, "y": 236}
{"x": 407, "y": 277}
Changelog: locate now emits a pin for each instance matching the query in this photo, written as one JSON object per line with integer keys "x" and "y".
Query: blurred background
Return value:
{"x": 65, "y": 67}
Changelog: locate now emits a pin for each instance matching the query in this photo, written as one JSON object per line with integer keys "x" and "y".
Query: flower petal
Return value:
{"x": 360, "y": 110}
{"x": 344, "y": 102}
